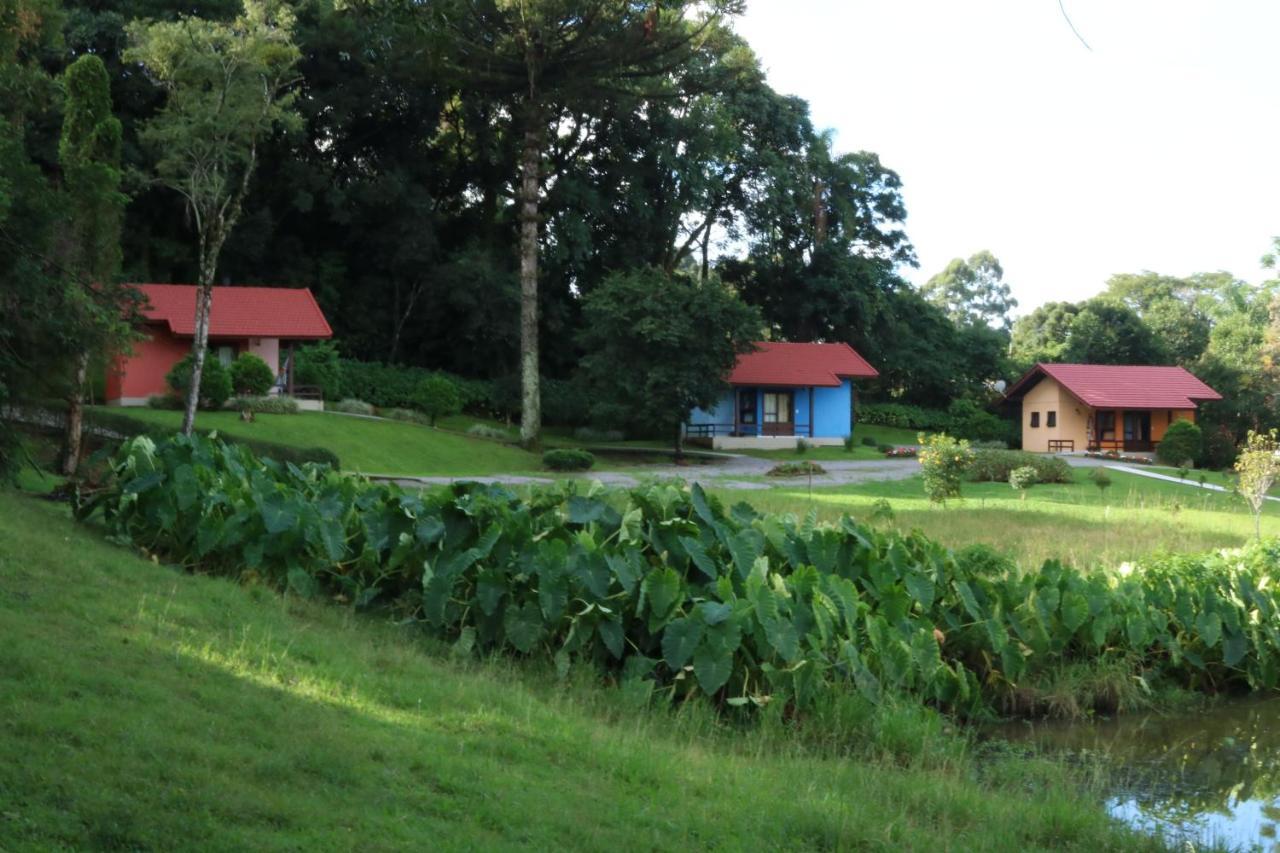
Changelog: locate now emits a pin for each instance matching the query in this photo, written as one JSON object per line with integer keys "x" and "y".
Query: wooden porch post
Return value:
{"x": 289, "y": 371}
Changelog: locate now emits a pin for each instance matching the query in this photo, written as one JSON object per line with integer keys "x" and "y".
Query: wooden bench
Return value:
{"x": 1057, "y": 445}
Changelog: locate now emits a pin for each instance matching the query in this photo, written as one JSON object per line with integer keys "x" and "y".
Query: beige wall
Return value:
{"x": 267, "y": 349}
{"x": 1072, "y": 417}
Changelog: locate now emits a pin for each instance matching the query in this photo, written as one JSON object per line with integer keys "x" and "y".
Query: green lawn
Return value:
{"x": 367, "y": 445}
{"x": 143, "y": 708}
{"x": 1136, "y": 516}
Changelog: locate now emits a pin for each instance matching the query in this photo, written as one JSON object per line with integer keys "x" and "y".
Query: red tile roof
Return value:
{"x": 799, "y": 365}
{"x": 1122, "y": 386}
{"x": 239, "y": 312}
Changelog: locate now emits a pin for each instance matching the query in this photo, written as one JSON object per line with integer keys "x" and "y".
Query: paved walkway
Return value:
{"x": 1155, "y": 475}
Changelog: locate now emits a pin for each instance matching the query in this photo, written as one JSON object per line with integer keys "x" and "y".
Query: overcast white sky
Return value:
{"x": 1159, "y": 149}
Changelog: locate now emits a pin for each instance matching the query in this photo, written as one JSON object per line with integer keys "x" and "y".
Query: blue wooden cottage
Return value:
{"x": 784, "y": 391}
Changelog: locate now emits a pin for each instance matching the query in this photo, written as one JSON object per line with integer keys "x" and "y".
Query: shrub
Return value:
{"x": 266, "y": 405}
{"x": 595, "y": 436}
{"x": 1100, "y": 478}
{"x": 943, "y": 461}
{"x": 251, "y": 376}
{"x": 995, "y": 466}
{"x": 350, "y": 406}
{"x": 886, "y": 449}
{"x": 215, "y": 382}
{"x": 1257, "y": 469}
{"x": 1219, "y": 449}
{"x": 795, "y": 469}
{"x": 1022, "y": 479}
{"x": 903, "y": 416}
{"x": 319, "y": 364}
{"x": 802, "y": 446}
{"x": 868, "y": 441}
{"x": 1181, "y": 445}
{"x": 848, "y": 444}
{"x": 972, "y": 421}
{"x": 170, "y": 402}
{"x": 408, "y": 415}
{"x": 437, "y": 397}
{"x": 568, "y": 460}
{"x": 990, "y": 444}
{"x": 488, "y": 432}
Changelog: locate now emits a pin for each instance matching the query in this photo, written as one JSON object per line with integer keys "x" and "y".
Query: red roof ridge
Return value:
{"x": 239, "y": 311}
{"x": 1135, "y": 386}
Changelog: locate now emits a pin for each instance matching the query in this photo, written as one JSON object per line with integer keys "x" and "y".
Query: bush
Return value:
{"x": 995, "y": 466}
{"x": 568, "y": 460}
{"x": 802, "y": 446}
{"x": 266, "y": 405}
{"x": 943, "y": 461}
{"x": 969, "y": 420}
{"x": 795, "y": 469}
{"x": 437, "y": 397}
{"x": 903, "y": 416}
{"x": 169, "y": 402}
{"x": 251, "y": 376}
{"x": 868, "y": 441}
{"x": 407, "y": 415}
{"x": 1023, "y": 478}
{"x": 318, "y": 364}
{"x": 1219, "y": 450}
{"x": 848, "y": 444}
{"x": 1100, "y": 478}
{"x": 886, "y": 449}
{"x": 488, "y": 432}
{"x": 1181, "y": 445}
{"x": 350, "y": 406}
{"x": 215, "y": 381}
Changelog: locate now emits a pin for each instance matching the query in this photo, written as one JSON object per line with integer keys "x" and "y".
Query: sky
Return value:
{"x": 1156, "y": 149}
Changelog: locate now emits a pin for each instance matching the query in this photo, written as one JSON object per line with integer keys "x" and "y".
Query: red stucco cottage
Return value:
{"x": 266, "y": 321}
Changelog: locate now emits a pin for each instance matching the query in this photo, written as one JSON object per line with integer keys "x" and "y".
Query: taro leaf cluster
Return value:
{"x": 664, "y": 584}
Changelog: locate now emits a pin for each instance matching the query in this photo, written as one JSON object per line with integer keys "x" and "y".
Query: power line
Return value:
{"x": 1067, "y": 18}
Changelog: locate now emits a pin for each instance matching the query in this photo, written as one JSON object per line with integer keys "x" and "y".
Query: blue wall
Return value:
{"x": 832, "y": 411}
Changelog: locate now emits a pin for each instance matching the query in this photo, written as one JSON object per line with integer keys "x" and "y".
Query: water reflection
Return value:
{"x": 1211, "y": 778}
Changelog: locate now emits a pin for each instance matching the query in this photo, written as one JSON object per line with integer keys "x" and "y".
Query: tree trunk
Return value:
{"x": 75, "y": 417}
{"x": 199, "y": 346}
{"x": 531, "y": 159}
{"x": 679, "y": 442}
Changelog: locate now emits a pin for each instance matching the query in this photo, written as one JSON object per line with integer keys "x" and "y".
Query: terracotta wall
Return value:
{"x": 141, "y": 375}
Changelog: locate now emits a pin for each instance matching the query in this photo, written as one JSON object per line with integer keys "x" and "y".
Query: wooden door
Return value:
{"x": 778, "y": 408}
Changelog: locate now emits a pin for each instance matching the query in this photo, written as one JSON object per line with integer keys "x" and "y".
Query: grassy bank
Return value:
{"x": 140, "y": 706}
{"x": 1072, "y": 521}
{"x": 366, "y": 445}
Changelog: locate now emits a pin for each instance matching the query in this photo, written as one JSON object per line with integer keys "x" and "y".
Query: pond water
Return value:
{"x": 1207, "y": 778}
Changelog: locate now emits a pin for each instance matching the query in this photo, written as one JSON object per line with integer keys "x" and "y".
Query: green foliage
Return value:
{"x": 1100, "y": 478}
{"x": 598, "y": 436}
{"x": 1219, "y": 449}
{"x": 251, "y": 376}
{"x": 412, "y": 416}
{"x": 167, "y": 402}
{"x": 437, "y": 397}
{"x": 868, "y": 441}
{"x": 280, "y": 405}
{"x": 320, "y": 365}
{"x": 215, "y": 381}
{"x": 568, "y": 459}
{"x": 645, "y": 583}
{"x": 1023, "y": 478}
{"x": 963, "y": 418}
{"x": 795, "y": 469}
{"x": 660, "y": 345}
{"x": 943, "y": 462}
{"x": 903, "y": 416}
{"x": 1182, "y": 444}
{"x": 350, "y": 406}
{"x": 802, "y": 446}
{"x": 389, "y": 386}
{"x": 849, "y": 444}
{"x": 1257, "y": 469}
{"x": 486, "y": 431}
{"x": 996, "y": 466}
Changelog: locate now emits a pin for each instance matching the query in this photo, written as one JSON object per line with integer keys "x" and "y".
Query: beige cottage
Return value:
{"x": 1075, "y": 407}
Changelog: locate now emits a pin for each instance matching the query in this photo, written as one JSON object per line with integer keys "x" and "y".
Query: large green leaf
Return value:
{"x": 920, "y": 587}
{"x": 679, "y": 640}
{"x": 662, "y": 586}
{"x": 523, "y": 626}
{"x": 698, "y": 556}
{"x": 1075, "y": 610}
{"x": 1209, "y": 626}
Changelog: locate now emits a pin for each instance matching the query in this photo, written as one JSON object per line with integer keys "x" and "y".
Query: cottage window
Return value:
{"x": 1035, "y": 419}
{"x": 1051, "y": 419}
{"x": 1107, "y": 425}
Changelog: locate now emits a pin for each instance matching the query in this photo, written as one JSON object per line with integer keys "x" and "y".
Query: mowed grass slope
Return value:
{"x": 1074, "y": 522}
{"x": 142, "y": 708}
{"x": 367, "y": 445}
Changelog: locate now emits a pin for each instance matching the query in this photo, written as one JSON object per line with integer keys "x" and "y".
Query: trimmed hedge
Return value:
{"x": 996, "y": 466}
{"x": 962, "y": 419}
{"x": 568, "y": 460}
{"x": 266, "y": 405}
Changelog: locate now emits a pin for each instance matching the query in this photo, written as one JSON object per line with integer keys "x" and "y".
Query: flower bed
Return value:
{"x": 1113, "y": 456}
{"x": 900, "y": 453}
